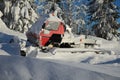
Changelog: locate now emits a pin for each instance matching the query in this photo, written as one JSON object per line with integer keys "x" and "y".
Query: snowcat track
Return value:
{"x": 78, "y": 50}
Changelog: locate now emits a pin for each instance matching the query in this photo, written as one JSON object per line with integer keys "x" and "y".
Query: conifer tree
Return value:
{"x": 102, "y": 16}
{"x": 19, "y": 15}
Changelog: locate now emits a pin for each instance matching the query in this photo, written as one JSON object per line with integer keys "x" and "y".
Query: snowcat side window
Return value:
{"x": 52, "y": 26}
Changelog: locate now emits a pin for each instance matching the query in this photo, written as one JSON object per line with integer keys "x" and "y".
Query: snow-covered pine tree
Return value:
{"x": 48, "y": 6}
{"x": 66, "y": 11}
{"x": 19, "y": 15}
{"x": 74, "y": 14}
{"x": 78, "y": 15}
{"x": 102, "y": 16}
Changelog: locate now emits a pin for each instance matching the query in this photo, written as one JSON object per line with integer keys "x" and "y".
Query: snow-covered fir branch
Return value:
{"x": 19, "y": 15}
{"x": 103, "y": 18}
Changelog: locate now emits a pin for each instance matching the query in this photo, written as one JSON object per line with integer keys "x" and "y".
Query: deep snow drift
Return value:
{"x": 6, "y": 37}
{"x": 20, "y": 68}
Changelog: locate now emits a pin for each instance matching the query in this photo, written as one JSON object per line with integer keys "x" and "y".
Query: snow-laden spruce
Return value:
{"x": 103, "y": 15}
{"x": 19, "y": 15}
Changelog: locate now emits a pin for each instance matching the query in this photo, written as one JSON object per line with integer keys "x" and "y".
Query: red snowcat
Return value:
{"x": 46, "y": 32}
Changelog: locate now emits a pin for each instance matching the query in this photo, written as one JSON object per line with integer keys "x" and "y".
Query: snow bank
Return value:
{"x": 5, "y": 31}
{"x": 2, "y": 52}
{"x": 20, "y": 68}
{"x": 9, "y": 40}
{"x": 86, "y": 57}
{"x": 108, "y": 45}
{"x": 9, "y": 49}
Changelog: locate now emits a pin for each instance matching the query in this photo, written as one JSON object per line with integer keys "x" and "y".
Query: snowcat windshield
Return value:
{"x": 52, "y": 25}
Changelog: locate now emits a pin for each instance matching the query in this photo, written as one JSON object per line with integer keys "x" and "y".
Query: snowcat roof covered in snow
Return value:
{"x": 37, "y": 26}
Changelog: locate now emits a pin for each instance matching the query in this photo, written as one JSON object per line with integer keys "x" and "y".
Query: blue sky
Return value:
{"x": 117, "y": 2}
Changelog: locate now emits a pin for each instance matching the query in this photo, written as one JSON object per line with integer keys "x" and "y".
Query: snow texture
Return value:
{"x": 1, "y": 14}
{"x": 20, "y": 68}
{"x": 19, "y": 15}
{"x": 37, "y": 26}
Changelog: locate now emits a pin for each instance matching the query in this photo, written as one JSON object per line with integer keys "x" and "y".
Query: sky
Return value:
{"x": 117, "y": 2}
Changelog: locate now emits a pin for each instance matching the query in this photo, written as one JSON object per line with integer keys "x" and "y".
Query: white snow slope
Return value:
{"x": 61, "y": 66}
{"x": 6, "y": 35}
{"x": 20, "y": 68}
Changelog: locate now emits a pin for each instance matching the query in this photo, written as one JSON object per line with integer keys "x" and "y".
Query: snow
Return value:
{"x": 20, "y": 68}
{"x": 1, "y": 14}
{"x": 37, "y": 26}
{"x": 100, "y": 1}
{"x": 10, "y": 40}
{"x": 53, "y": 17}
{"x": 19, "y": 15}
{"x": 60, "y": 66}
{"x": 15, "y": 11}
{"x": 6, "y": 31}
{"x": 7, "y": 6}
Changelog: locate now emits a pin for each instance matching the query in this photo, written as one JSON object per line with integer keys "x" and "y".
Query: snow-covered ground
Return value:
{"x": 20, "y": 68}
{"x": 61, "y": 66}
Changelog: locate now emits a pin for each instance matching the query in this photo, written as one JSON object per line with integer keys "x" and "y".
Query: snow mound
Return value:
{"x": 9, "y": 49}
{"x": 20, "y": 68}
{"x": 108, "y": 45}
{"x": 10, "y": 40}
